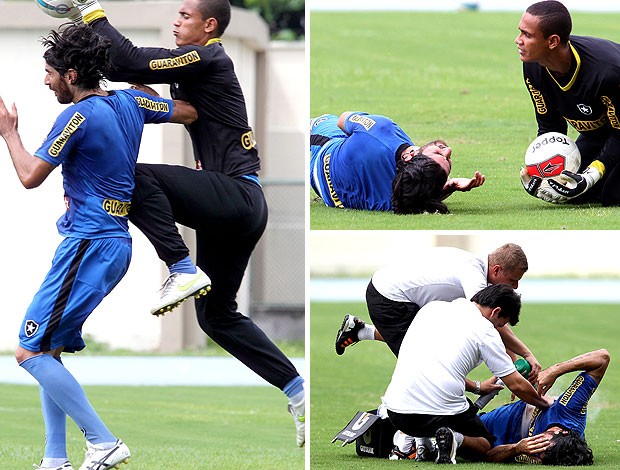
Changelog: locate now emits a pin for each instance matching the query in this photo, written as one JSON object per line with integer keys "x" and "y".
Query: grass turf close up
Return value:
{"x": 165, "y": 427}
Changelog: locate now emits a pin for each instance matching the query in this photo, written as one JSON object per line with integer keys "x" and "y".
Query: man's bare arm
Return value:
{"x": 594, "y": 363}
{"x": 529, "y": 446}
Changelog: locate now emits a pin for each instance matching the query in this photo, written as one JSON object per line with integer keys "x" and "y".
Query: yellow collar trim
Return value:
{"x": 213, "y": 41}
{"x": 574, "y": 77}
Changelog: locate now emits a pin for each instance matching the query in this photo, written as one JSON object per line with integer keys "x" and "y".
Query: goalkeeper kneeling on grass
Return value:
{"x": 556, "y": 434}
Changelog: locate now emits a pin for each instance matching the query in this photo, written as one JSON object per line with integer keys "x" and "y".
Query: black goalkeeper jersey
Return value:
{"x": 587, "y": 99}
{"x": 204, "y": 76}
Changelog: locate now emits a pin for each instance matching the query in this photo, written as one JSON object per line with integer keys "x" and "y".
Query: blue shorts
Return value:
{"x": 324, "y": 135}
{"x": 83, "y": 272}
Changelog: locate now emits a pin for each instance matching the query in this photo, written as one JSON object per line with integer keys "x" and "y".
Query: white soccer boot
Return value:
{"x": 299, "y": 416}
{"x": 65, "y": 466}
{"x": 101, "y": 459}
{"x": 178, "y": 287}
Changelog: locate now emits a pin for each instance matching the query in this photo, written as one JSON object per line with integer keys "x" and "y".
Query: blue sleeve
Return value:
{"x": 65, "y": 134}
{"x": 570, "y": 409}
{"x": 351, "y": 126}
{"x": 155, "y": 109}
{"x": 381, "y": 128}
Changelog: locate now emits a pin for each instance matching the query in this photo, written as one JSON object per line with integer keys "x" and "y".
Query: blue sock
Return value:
{"x": 55, "y": 426}
{"x": 67, "y": 393}
{"x": 184, "y": 266}
{"x": 294, "y": 388}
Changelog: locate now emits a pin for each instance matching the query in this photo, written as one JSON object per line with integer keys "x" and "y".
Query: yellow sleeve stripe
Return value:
{"x": 93, "y": 15}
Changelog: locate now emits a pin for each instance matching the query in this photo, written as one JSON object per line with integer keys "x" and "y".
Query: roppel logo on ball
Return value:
{"x": 555, "y": 139}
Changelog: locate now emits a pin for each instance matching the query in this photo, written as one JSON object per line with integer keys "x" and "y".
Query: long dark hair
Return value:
{"x": 418, "y": 186}
{"x": 80, "y": 48}
{"x": 568, "y": 450}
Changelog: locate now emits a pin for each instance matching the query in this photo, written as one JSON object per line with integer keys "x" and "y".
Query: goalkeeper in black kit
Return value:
{"x": 222, "y": 199}
{"x": 573, "y": 79}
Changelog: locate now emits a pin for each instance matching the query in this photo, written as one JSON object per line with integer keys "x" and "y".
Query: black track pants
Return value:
{"x": 229, "y": 216}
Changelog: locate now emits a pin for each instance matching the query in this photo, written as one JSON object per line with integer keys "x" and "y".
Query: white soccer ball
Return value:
{"x": 57, "y": 8}
{"x": 550, "y": 154}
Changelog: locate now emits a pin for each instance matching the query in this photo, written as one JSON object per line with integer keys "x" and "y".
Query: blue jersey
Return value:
{"x": 509, "y": 425}
{"x": 97, "y": 140}
{"x": 355, "y": 168}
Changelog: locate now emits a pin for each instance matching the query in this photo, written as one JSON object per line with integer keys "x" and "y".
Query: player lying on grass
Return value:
{"x": 444, "y": 343}
{"x": 366, "y": 161}
{"x": 552, "y": 436}
{"x": 573, "y": 79}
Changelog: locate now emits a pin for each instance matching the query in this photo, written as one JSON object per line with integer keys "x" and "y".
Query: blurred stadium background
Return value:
{"x": 552, "y": 255}
{"x": 447, "y": 5}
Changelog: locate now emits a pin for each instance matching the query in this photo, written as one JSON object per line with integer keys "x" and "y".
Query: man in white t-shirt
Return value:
{"x": 396, "y": 292}
{"x": 446, "y": 341}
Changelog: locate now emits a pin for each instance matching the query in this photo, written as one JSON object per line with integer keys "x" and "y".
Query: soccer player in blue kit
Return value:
{"x": 96, "y": 140}
{"x": 553, "y": 436}
{"x": 366, "y": 161}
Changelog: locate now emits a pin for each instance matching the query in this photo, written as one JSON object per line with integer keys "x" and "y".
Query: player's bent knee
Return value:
{"x": 22, "y": 354}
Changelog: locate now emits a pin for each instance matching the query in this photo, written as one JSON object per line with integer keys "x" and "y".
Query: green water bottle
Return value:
{"x": 523, "y": 367}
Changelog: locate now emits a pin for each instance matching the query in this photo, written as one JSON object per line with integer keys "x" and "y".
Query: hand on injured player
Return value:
{"x": 533, "y": 445}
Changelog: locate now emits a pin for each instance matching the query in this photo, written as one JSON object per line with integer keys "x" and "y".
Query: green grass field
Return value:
{"x": 455, "y": 76}
{"x": 343, "y": 385}
{"x": 165, "y": 427}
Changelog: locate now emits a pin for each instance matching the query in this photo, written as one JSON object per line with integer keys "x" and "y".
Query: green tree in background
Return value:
{"x": 285, "y": 17}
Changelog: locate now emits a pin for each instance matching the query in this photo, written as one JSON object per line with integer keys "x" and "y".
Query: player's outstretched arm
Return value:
{"x": 31, "y": 170}
{"x": 594, "y": 363}
{"x": 462, "y": 184}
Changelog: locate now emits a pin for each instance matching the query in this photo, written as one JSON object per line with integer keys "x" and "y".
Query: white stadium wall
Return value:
{"x": 30, "y": 237}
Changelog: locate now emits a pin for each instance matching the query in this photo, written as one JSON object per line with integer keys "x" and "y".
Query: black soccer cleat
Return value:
{"x": 446, "y": 446}
{"x": 347, "y": 334}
